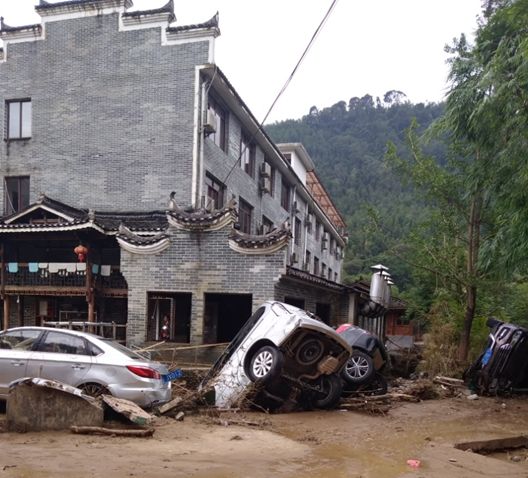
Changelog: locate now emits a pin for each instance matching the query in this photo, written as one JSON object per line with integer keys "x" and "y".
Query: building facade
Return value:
{"x": 139, "y": 188}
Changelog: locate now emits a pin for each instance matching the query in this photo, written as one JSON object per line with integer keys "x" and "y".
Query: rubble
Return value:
{"x": 52, "y": 405}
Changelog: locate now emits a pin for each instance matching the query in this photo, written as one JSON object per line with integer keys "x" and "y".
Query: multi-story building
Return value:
{"x": 138, "y": 186}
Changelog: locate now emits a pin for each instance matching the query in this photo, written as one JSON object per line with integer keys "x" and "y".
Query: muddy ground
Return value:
{"x": 315, "y": 444}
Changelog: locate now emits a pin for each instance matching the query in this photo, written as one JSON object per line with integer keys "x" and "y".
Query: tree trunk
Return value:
{"x": 475, "y": 215}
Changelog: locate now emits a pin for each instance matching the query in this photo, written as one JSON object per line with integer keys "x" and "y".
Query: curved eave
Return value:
{"x": 144, "y": 250}
{"x": 204, "y": 226}
{"x": 258, "y": 250}
{"x": 47, "y": 228}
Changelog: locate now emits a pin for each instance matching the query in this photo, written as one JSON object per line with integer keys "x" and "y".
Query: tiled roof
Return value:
{"x": 199, "y": 218}
{"x": 168, "y": 8}
{"x": 135, "y": 221}
{"x": 5, "y": 28}
{"x": 211, "y": 23}
{"x": 259, "y": 241}
{"x": 152, "y": 221}
{"x": 43, "y": 5}
{"x": 313, "y": 279}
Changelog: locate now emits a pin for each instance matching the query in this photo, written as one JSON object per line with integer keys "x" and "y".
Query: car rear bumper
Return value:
{"x": 144, "y": 397}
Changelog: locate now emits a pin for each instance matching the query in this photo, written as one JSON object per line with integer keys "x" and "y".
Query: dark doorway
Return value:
{"x": 169, "y": 316}
{"x": 323, "y": 312}
{"x": 224, "y": 316}
{"x": 295, "y": 302}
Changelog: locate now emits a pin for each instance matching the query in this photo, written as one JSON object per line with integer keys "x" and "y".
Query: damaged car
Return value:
{"x": 94, "y": 364}
{"x": 363, "y": 371}
{"x": 288, "y": 354}
{"x": 503, "y": 365}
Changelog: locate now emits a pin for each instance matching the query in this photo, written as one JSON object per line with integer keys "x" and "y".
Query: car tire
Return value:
{"x": 94, "y": 389}
{"x": 359, "y": 368}
{"x": 265, "y": 364}
{"x": 330, "y": 394}
{"x": 309, "y": 352}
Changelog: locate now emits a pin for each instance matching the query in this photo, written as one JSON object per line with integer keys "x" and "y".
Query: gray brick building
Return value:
{"x": 139, "y": 188}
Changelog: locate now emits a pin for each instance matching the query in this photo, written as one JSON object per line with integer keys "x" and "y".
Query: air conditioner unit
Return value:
{"x": 265, "y": 185}
{"x": 209, "y": 126}
{"x": 265, "y": 170}
{"x": 309, "y": 219}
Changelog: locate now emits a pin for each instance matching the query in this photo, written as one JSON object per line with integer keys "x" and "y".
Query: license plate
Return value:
{"x": 173, "y": 375}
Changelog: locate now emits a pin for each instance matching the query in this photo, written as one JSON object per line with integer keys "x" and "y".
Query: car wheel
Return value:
{"x": 94, "y": 389}
{"x": 265, "y": 364}
{"x": 359, "y": 368}
{"x": 329, "y": 395}
{"x": 310, "y": 352}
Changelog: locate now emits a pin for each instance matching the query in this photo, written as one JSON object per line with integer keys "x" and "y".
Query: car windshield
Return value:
{"x": 125, "y": 350}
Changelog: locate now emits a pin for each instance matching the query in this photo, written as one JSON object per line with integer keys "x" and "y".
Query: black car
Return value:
{"x": 369, "y": 358}
{"x": 503, "y": 366}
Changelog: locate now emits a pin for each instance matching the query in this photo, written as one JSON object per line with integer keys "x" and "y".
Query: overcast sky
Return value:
{"x": 365, "y": 47}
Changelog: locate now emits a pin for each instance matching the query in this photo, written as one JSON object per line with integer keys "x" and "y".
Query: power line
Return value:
{"x": 283, "y": 89}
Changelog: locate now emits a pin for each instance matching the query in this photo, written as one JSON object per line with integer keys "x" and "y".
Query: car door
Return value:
{"x": 15, "y": 350}
{"x": 60, "y": 356}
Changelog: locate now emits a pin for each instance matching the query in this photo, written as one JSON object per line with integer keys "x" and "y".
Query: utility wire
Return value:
{"x": 283, "y": 89}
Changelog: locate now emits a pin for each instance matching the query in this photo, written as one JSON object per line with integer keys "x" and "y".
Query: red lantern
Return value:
{"x": 81, "y": 252}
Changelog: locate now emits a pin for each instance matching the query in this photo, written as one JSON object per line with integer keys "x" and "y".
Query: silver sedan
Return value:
{"x": 94, "y": 364}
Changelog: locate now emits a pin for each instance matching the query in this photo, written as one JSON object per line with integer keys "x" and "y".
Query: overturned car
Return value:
{"x": 288, "y": 354}
{"x": 503, "y": 366}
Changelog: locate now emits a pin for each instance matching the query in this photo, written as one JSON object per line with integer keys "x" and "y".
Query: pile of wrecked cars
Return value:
{"x": 282, "y": 358}
{"x": 289, "y": 355}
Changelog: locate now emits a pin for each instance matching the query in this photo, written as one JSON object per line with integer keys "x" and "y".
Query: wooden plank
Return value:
{"x": 170, "y": 405}
{"x": 112, "y": 431}
{"x": 496, "y": 444}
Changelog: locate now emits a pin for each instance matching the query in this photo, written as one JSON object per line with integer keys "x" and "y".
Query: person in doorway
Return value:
{"x": 165, "y": 332}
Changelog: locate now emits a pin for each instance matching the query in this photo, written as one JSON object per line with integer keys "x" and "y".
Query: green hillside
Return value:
{"x": 348, "y": 144}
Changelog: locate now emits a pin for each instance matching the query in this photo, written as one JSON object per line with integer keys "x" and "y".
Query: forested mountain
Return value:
{"x": 348, "y": 143}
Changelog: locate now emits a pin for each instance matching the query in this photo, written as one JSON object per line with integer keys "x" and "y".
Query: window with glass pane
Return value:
{"x": 316, "y": 266}
{"x": 247, "y": 155}
{"x": 220, "y": 116}
{"x": 285, "y": 194}
{"x": 307, "y": 261}
{"x": 58, "y": 342}
{"x": 16, "y": 193}
{"x": 245, "y": 212}
{"x": 18, "y": 119}
{"x": 267, "y": 225}
{"x": 215, "y": 192}
{"x": 297, "y": 231}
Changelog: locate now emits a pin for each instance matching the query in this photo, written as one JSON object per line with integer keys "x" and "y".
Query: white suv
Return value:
{"x": 292, "y": 354}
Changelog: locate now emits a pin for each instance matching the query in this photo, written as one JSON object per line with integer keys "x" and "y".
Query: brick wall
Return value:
{"x": 196, "y": 263}
{"x": 112, "y": 114}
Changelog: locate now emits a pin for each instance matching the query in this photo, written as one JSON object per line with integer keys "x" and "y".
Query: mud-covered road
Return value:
{"x": 305, "y": 444}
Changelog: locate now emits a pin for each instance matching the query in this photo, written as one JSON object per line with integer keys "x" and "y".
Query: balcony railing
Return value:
{"x": 62, "y": 275}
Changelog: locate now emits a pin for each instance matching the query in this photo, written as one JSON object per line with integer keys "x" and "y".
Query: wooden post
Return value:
{"x": 6, "y": 312}
{"x": 90, "y": 289}
{"x": 5, "y": 298}
{"x": 20, "y": 310}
